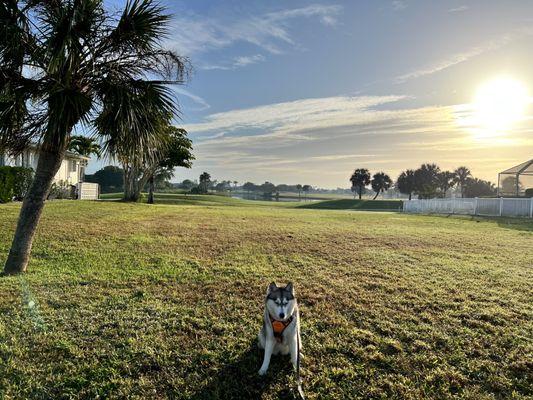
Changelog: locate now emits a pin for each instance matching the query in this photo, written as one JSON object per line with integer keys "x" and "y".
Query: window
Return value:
{"x": 73, "y": 165}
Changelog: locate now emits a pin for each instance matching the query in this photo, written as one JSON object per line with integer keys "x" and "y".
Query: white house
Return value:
{"x": 71, "y": 171}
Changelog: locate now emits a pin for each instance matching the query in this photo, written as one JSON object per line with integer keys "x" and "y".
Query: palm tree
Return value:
{"x": 306, "y": 189}
{"x": 84, "y": 146}
{"x": 66, "y": 63}
{"x": 406, "y": 182}
{"x": 205, "y": 180}
{"x": 461, "y": 176}
{"x": 360, "y": 178}
{"x": 445, "y": 180}
{"x": 380, "y": 182}
{"x": 299, "y": 189}
{"x": 426, "y": 180}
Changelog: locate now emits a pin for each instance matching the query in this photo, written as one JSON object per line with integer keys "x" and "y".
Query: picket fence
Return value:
{"x": 502, "y": 207}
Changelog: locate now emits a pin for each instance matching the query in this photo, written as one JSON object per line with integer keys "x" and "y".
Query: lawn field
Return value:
{"x": 165, "y": 301}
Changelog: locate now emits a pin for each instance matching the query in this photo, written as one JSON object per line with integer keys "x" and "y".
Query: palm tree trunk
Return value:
{"x": 48, "y": 164}
{"x": 151, "y": 190}
{"x": 376, "y": 196}
{"x": 409, "y": 196}
{"x": 360, "y": 192}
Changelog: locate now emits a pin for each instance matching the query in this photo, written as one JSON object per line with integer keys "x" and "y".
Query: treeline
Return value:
{"x": 206, "y": 184}
{"x": 428, "y": 181}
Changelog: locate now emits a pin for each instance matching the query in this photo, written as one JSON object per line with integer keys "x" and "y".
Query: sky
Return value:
{"x": 307, "y": 91}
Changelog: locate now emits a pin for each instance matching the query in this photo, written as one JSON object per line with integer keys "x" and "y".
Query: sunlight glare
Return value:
{"x": 498, "y": 105}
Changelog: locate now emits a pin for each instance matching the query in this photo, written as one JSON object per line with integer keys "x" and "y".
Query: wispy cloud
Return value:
{"x": 320, "y": 140}
{"x": 458, "y": 9}
{"x": 197, "y": 99}
{"x": 398, "y": 5}
{"x": 463, "y": 56}
{"x": 194, "y": 35}
{"x": 237, "y": 62}
{"x": 247, "y": 60}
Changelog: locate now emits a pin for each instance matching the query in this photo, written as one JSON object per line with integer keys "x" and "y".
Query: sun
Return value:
{"x": 498, "y": 105}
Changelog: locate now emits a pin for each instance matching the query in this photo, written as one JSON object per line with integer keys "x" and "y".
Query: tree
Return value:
{"x": 65, "y": 63}
{"x": 205, "y": 180}
{"x": 84, "y": 146}
{"x": 475, "y": 187}
{"x": 268, "y": 188}
{"x": 380, "y": 182}
{"x": 235, "y": 184}
{"x": 426, "y": 180}
{"x": 360, "y": 178}
{"x": 406, "y": 182}
{"x": 445, "y": 181}
{"x": 461, "y": 175}
{"x": 306, "y": 189}
{"x": 299, "y": 189}
{"x": 511, "y": 185}
{"x": 110, "y": 179}
{"x": 249, "y": 187}
{"x": 187, "y": 184}
{"x": 175, "y": 153}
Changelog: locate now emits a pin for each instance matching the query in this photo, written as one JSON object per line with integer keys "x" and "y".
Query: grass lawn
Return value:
{"x": 165, "y": 301}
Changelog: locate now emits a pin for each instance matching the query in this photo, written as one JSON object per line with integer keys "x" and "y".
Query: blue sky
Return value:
{"x": 304, "y": 92}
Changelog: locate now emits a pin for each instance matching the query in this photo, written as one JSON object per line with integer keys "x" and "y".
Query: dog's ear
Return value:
{"x": 271, "y": 287}
{"x": 289, "y": 288}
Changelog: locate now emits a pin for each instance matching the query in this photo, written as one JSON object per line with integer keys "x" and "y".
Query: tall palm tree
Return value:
{"x": 70, "y": 63}
{"x": 380, "y": 182}
{"x": 445, "y": 180}
{"x": 360, "y": 178}
{"x": 299, "y": 189}
{"x": 84, "y": 146}
{"x": 406, "y": 182}
{"x": 461, "y": 176}
{"x": 205, "y": 180}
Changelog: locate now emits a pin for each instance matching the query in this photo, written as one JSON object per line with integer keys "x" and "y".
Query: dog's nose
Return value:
{"x": 281, "y": 315}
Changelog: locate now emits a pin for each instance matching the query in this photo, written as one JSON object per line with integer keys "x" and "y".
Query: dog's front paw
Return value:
{"x": 262, "y": 371}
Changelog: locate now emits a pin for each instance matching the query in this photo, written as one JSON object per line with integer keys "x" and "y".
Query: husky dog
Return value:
{"x": 280, "y": 333}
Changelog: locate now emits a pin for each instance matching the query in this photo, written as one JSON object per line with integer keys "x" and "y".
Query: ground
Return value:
{"x": 165, "y": 301}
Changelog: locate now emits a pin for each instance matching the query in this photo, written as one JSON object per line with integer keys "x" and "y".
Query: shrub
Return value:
{"x": 61, "y": 190}
{"x": 14, "y": 183}
{"x": 529, "y": 192}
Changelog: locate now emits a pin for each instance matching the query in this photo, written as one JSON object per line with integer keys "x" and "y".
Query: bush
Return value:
{"x": 529, "y": 192}
{"x": 61, "y": 190}
{"x": 14, "y": 183}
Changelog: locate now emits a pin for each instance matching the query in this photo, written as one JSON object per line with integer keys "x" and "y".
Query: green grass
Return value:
{"x": 165, "y": 301}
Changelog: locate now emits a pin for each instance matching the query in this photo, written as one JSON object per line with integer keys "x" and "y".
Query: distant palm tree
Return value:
{"x": 306, "y": 189}
{"x": 461, "y": 176}
{"x": 406, "y": 182}
{"x": 84, "y": 146}
{"x": 445, "y": 180}
{"x": 360, "y": 178}
{"x": 66, "y": 63}
{"x": 299, "y": 189}
{"x": 205, "y": 180}
{"x": 380, "y": 182}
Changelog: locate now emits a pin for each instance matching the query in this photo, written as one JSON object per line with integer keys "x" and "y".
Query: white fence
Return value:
{"x": 88, "y": 191}
{"x": 490, "y": 207}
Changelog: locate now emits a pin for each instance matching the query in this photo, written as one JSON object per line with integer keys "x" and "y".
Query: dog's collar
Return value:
{"x": 278, "y": 327}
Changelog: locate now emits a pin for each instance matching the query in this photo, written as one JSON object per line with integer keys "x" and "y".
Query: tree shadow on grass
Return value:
{"x": 239, "y": 379}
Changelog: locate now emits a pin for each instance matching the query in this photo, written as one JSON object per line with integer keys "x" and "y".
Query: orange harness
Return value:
{"x": 278, "y": 327}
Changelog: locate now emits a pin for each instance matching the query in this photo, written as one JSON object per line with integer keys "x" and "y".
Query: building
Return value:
{"x": 71, "y": 171}
{"x": 514, "y": 182}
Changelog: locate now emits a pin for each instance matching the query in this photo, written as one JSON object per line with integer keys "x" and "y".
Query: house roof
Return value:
{"x": 68, "y": 153}
{"x": 526, "y": 168}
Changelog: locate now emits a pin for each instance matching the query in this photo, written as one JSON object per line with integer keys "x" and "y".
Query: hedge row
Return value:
{"x": 14, "y": 183}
